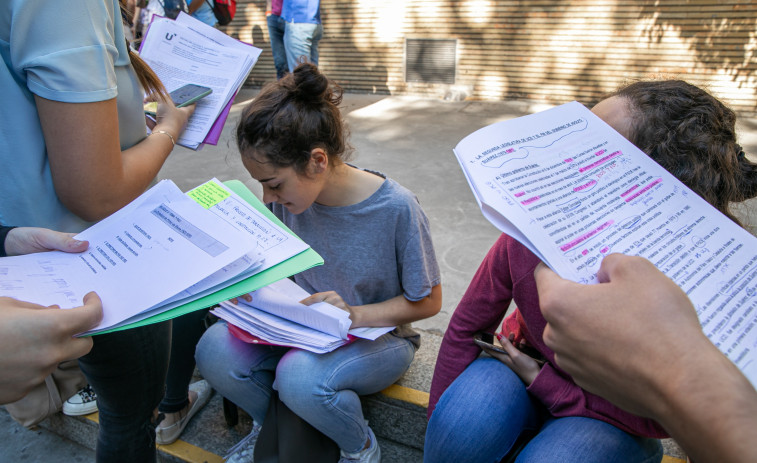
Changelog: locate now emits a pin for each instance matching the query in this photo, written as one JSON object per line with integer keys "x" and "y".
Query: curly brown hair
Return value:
{"x": 291, "y": 117}
{"x": 691, "y": 134}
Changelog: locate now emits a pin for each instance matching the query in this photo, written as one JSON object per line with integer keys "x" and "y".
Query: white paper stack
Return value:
{"x": 188, "y": 51}
{"x": 276, "y": 316}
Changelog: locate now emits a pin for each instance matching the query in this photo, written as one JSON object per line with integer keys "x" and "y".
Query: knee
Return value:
{"x": 297, "y": 379}
{"x": 211, "y": 349}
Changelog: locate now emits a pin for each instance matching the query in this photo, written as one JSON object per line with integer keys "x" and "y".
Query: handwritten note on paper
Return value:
{"x": 573, "y": 190}
{"x": 272, "y": 242}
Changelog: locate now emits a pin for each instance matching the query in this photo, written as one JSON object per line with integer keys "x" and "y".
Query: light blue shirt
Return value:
{"x": 72, "y": 52}
{"x": 301, "y": 11}
{"x": 204, "y": 13}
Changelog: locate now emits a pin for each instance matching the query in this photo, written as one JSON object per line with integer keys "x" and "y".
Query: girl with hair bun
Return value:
{"x": 379, "y": 266}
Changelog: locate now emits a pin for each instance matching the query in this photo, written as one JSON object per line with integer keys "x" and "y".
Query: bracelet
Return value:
{"x": 173, "y": 143}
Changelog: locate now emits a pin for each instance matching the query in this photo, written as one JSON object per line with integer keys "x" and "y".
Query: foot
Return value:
{"x": 243, "y": 451}
{"x": 83, "y": 402}
{"x": 172, "y": 425}
{"x": 371, "y": 453}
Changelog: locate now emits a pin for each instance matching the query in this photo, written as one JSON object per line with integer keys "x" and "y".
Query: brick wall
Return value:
{"x": 547, "y": 50}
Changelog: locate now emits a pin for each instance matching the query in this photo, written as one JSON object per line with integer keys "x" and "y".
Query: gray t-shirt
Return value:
{"x": 373, "y": 251}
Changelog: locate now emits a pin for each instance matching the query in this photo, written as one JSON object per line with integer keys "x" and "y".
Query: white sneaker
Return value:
{"x": 83, "y": 402}
{"x": 370, "y": 455}
{"x": 242, "y": 451}
{"x": 169, "y": 434}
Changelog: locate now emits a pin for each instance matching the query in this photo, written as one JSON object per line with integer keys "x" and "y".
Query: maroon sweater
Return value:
{"x": 507, "y": 273}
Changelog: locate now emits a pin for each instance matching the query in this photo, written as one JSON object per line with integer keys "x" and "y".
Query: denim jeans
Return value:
{"x": 276, "y": 28}
{"x": 482, "y": 413}
{"x": 127, "y": 370}
{"x": 301, "y": 39}
{"x": 323, "y": 389}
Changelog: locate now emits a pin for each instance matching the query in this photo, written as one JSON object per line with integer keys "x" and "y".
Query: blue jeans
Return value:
{"x": 276, "y": 28}
{"x": 323, "y": 389}
{"x": 127, "y": 370}
{"x": 301, "y": 39}
{"x": 480, "y": 416}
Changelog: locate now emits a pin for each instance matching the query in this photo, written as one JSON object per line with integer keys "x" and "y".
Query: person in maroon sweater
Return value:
{"x": 480, "y": 407}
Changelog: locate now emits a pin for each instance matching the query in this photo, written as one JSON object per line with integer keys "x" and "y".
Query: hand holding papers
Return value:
{"x": 188, "y": 51}
{"x": 572, "y": 190}
{"x": 276, "y": 316}
{"x": 165, "y": 250}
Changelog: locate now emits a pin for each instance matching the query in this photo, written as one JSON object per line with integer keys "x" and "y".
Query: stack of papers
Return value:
{"x": 275, "y": 316}
{"x": 572, "y": 190}
{"x": 163, "y": 255}
{"x": 188, "y": 51}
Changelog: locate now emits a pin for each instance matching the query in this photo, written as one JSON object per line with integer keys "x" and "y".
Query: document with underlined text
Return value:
{"x": 572, "y": 190}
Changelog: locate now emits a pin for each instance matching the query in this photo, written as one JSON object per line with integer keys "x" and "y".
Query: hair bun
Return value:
{"x": 309, "y": 84}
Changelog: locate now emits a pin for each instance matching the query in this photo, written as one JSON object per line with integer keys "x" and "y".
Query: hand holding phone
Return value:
{"x": 182, "y": 96}
{"x": 486, "y": 340}
{"x": 188, "y": 94}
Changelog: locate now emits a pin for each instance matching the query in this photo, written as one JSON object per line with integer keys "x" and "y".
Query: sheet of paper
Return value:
{"x": 282, "y": 299}
{"x": 573, "y": 190}
{"x": 272, "y": 242}
{"x": 151, "y": 250}
{"x": 180, "y": 55}
{"x": 222, "y": 39}
{"x": 243, "y": 283}
{"x": 277, "y": 330}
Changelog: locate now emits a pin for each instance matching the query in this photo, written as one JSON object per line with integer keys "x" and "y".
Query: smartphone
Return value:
{"x": 188, "y": 94}
{"x": 182, "y": 96}
{"x": 484, "y": 339}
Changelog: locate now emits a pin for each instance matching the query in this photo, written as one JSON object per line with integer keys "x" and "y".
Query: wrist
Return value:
{"x": 357, "y": 316}
{"x": 167, "y": 134}
{"x": 687, "y": 378}
{"x": 4, "y": 231}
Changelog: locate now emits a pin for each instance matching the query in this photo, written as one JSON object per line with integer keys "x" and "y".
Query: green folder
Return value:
{"x": 296, "y": 264}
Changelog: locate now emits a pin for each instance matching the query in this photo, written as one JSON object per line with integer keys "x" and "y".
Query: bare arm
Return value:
{"x": 394, "y": 311}
{"x": 635, "y": 339}
{"x": 92, "y": 176}
{"x": 194, "y": 6}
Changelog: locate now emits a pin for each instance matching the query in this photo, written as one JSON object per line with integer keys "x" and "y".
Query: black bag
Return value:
{"x": 172, "y": 8}
{"x": 287, "y": 438}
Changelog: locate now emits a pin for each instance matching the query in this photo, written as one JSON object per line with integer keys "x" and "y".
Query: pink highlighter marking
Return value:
{"x": 529, "y": 200}
{"x": 519, "y": 194}
{"x": 629, "y": 190}
{"x": 589, "y": 184}
{"x": 585, "y": 236}
{"x": 601, "y": 161}
{"x": 644, "y": 190}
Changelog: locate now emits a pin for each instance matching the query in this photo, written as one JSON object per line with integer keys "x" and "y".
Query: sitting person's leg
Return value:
{"x": 324, "y": 389}
{"x": 481, "y": 415}
{"x": 585, "y": 440}
{"x": 239, "y": 371}
{"x": 127, "y": 370}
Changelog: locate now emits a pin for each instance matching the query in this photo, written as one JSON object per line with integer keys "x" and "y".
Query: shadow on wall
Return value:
{"x": 709, "y": 38}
